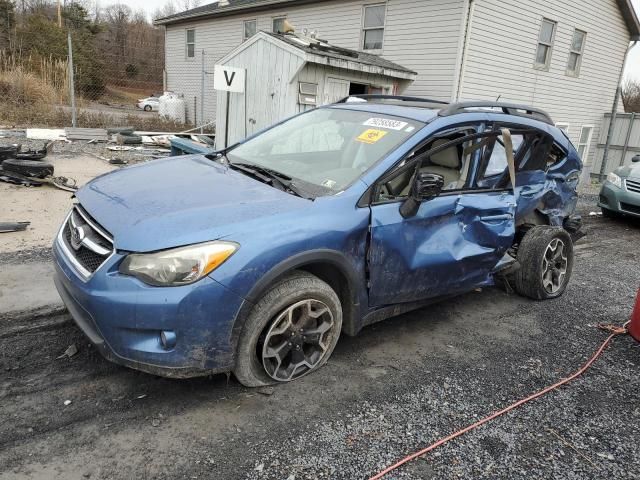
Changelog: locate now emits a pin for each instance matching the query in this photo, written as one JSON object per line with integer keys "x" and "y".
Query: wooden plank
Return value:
{"x": 99, "y": 134}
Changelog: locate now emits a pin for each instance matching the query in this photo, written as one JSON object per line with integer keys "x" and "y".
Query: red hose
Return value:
{"x": 615, "y": 332}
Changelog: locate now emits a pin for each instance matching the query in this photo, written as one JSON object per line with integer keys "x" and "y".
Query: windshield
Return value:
{"x": 327, "y": 147}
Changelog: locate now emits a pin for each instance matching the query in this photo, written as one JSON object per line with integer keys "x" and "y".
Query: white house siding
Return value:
{"x": 502, "y": 47}
{"x": 422, "y": 35}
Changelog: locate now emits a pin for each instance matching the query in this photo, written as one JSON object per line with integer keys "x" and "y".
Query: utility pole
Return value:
{"x": 60, "y": 13}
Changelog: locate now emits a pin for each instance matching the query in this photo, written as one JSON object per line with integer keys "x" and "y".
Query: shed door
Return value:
{"x": 335, "y": 89}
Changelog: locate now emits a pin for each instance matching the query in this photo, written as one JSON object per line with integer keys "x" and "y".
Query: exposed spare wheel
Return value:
{"x": 28, "y": 168}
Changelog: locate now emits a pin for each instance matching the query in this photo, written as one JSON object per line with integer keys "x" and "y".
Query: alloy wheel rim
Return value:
{"x": 297, "y": 340}
{"x": 554, "y": 266}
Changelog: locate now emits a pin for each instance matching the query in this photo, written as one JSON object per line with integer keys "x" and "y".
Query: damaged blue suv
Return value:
{"x": 254, "y": 259}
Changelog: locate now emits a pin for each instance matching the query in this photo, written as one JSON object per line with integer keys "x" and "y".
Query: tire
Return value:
{"x": 299, "y": 292}
{"x": 8, "y": 151}
{"x": 538, "y": 278}
{"x": 28, "y": 168}
{"x": 148, "y": 108}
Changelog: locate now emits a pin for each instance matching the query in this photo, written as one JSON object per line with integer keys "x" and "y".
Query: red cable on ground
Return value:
{"x": 615, "y": 332}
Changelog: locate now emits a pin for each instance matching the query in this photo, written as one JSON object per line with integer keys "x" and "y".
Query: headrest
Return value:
{"x": 448, "y": 158}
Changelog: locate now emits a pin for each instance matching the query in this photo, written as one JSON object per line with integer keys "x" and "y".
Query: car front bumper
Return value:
{"x": 124, "y": 319}
{"x": 619, "y": 200}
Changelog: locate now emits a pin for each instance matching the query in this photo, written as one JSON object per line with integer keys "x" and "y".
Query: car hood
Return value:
{"x": 179, "y": 201}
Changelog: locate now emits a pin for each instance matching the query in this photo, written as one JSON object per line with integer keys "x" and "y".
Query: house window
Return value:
{"x": 575, "y": 53}
{"x": 585, "y": 141}
{"x": 545, "y": 43}
{"x": 250, "y": 28}
{"x": 191, "y": 43}
{"x": 278, "y": 24}
{"x": 373, "y": 27}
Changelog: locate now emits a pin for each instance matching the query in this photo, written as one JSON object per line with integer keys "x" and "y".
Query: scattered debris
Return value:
{"x": 119, "y": 148}
{"x": 67, "y": 403}
{"x": 17, "y": 179}
{"x": 51, "y": 134}
{"x": 33, "y": 154}
{"x": 118, "y": 161}
{"x": 259, "y": 467}
{"x": 140, "y": 397}
{"x": 155, "y": 422}
{"x": 98, "y": 134}
{"x": 13, "y": 226}
{"x": 268, "y": 391}
{"x": 123, "y": 139}
{"x": 70, "y": 351}
{"x": 595, "y": 214}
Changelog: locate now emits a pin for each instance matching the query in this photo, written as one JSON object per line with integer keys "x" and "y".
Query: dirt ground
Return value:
{"x": 398, "y": 386}
{"x": 45, "y": 206}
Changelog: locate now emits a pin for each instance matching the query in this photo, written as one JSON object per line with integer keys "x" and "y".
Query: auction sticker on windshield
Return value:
{"x": 385, "y": 123}
{"x": 371, "y": 136}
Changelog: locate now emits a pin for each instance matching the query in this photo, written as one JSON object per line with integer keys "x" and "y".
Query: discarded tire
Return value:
{"x": 546, "y": 258}
{"x": 8, "y": 151}
{"x": 28, "y": 168}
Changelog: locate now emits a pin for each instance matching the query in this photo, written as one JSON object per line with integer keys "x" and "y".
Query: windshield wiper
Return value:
{"x": 270, "y": 177}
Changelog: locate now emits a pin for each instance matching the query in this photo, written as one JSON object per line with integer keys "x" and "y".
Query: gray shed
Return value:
{"x": 288, "y": 74}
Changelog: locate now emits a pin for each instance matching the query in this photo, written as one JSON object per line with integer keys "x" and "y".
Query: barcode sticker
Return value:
{"x": 385, "y": 123}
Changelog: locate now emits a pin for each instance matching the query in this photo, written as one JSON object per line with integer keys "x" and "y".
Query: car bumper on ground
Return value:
{"x": 128, "y": 321}
{"x": 619, "y": 200}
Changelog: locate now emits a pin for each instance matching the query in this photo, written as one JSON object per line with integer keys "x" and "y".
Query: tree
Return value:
{"x": 7, "y": 22}
{"x": 631, "y": 96}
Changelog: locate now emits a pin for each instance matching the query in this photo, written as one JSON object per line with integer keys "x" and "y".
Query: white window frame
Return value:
{"x": 273, "y": 19}
{"x": 587, "y": 145}
{"x": 364, "y": 29}
{"x": 187, "y": 43}
{"x": 244, "y": 28}
{"x": 545, "y": 66}
{"x": 564, "y": 126}
{"x": 579, "y": 53}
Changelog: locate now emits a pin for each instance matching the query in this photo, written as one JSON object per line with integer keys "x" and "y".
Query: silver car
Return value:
{"x": 620, "y": 193}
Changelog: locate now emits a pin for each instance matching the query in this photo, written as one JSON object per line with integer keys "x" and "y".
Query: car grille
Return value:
{"x": 633, "y": 185}
{"x": 86, "y": 243}
{"x": 630, "y": 208}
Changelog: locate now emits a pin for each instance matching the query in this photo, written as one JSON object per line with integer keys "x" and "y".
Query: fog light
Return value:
{"x": 167, "y": 339}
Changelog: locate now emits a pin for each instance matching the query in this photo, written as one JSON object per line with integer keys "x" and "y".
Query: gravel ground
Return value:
{"x": 397, "y": 387}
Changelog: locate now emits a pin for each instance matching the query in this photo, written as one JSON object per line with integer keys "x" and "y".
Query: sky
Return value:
{"x": 633, "y": 63}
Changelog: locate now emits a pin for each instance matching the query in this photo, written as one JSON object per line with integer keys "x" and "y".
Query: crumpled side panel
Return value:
{"x": 549, "y": 194}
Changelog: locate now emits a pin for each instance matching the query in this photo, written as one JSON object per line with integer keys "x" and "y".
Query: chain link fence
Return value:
{"x": 101, "y": 70}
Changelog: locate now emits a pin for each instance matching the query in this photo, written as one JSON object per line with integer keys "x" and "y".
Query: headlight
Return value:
{"x": 614, "y": 179}
{"x": 179, "y": 266}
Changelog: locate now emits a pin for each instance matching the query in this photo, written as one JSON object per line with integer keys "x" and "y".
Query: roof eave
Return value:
{"x": 630, "y": 18}
{"x": 225, "y": 11}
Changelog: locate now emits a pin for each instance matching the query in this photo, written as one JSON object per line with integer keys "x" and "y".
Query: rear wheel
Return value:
{"x": 546, "y": 258}
{"x": 290, "y": 332}
{"x": 147, "y": 108}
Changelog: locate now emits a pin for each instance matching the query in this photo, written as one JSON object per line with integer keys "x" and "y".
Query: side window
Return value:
{"x": 497, "y": 156}
{"x": 191, "y": 43}
{"x": 450, "y": 154}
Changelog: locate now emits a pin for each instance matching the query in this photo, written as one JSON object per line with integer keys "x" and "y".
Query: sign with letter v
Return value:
{"x": 229, "y": 79}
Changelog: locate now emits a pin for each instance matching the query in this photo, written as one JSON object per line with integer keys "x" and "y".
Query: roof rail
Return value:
{"x": 507, "y": 108}
{"x": 399, "y": 98}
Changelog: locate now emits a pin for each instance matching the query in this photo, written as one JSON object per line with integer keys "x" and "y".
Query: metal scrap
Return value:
{"x": 6, "y": 227}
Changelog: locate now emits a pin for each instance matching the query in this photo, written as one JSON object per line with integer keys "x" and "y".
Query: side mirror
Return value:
{"x": 636, "y": 159}
{"x": 425, "y": 187}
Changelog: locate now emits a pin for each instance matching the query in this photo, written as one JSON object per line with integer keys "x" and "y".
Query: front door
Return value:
{"x": 455, "y": 240}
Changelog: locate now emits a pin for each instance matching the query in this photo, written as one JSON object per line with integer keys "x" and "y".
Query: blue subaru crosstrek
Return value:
{"x": 254, "y": 259}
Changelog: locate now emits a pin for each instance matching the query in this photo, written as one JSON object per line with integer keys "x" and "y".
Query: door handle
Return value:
{"x": 497, "y": 218}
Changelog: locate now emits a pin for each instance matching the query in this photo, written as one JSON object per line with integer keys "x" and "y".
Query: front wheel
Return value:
{"x": 290, "y": 332}
{"x": 545, "y": 255}
{"x": 147, "y": 108}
